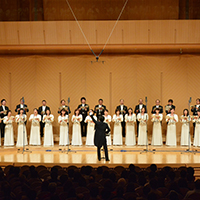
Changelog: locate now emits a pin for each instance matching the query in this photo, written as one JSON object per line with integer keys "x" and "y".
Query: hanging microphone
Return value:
{"x": 23, "y": 100}
{"x": 146, "y": 99}
{"x": 68, "y": 100}
{"x": 190, "y": 100}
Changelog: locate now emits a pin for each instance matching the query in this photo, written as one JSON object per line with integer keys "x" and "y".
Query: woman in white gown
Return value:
{"x": 90, "y": 130}
{"x": 130, "y": 120}
{"x": 9, "y": 137}
{"x": 107, "y": 119}
{"x": 157, "y": 128}
{"x": 76, "y": 128}
{"x": 48, "y": 129}
{"x": 185, "y": 120}
{"x": 196, "y": 120}
{"x": 142, "y": 118}
{"x": 22, "y": 134}
{"x": 35, "y": 119}
{"x": 64, "y": 134}
{"x": 117, "y": 133}
{"x": 172, "y": 119}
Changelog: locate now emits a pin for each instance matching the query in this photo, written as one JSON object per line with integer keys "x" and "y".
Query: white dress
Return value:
{"x": 48, "y": 130}
{"x": 171, "y": 130}
{"x": 76, "y": 130}
{"x": 117, "y": 133}
{"x": 64, "y": 134}
{"x": 90, "y": 130}
{"x": 22, "y": 134}
{"x": 130, "y": 129}
{"x": 107, "y": 119}
{"x": 8, "y": 137}
{"x": 157, "y": 130}
{"x": 196, "y": 142}
{"x": 185, "y": 130}
{"x": 142, "y": 137}
{"x": 35, "y": 130}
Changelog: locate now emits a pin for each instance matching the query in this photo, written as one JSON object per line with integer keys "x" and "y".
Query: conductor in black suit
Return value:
{"x": 83, "y": 110}
{"x": 21, "y": 105}
{"x": 3, "y": 112}
{"x": 157, "y": 106}
{"x": 99, "y": 109}
{"x": 138, "y": 109}
{"x": 123, "y": 111}
{"x": 42, "y": 111}
{"x": 101, "y": 129}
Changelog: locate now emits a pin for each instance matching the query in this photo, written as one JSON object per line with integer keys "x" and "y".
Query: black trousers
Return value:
{"x": 105, "y": 150}
{"x": 137, "y": 127}
{"x": 2, "y": 127}
{"x": 83, "y": 128}
{"x": 123, "y": 123}
{"x": 194, "y": 124}
{"x": 42, "y": 129}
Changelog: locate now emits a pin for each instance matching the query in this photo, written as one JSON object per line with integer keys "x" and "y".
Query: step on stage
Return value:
{"x": 119, "y": 155}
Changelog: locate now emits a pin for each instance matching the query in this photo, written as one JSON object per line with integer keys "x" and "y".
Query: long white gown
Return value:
{"x": 76, "y": 130}
{"x": 48, "y": 130}
{"x": 196, "y": 142}
{"x": 64, "y": 135}
{"x": 108, "y": 119}
{"x": 90, "y": 131}
{"x": 117, "y": 133}
{"x": 35, "y": 130}
{"x": 142, "y": 138}
{"x": 22, "y": 134}
{"x": 8, "y": 136}
{"x": 185, "y": 130}
{"x": 157, "y": 130}
{"x": 130, "y": 130}
{"x": 171, "y": 130}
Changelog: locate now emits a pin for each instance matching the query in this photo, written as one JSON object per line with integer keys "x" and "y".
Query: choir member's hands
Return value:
{"x": 18, "y": 108}
{"x": 65, "y": 120}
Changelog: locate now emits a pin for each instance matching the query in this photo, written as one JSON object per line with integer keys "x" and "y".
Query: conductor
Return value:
{"x": 101, "y": 129}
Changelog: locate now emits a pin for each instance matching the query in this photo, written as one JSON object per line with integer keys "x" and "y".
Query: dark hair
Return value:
{"x": 44, "y": 100}
{"x": 198, "y": 99}
{"x": 76, "y": 110}
{"x": 117, "y": 111}
{"x": 157, "y": 109}
{"x": 197, "y": 184}
{"x": 130, "y": 109}
{"x": 35, "y": 109}
{"x": 62, "y": 110}
{"x": 106, "y": 110}
{"x": 172, "y": 108}
{"x": 100, "y": 99}
{"x": 187, "y": 112}
{"x": 101, "y": 118}
{"x": 2, "y": 100}
{"x": 170, "y": 100}
{"x": 48, "y": 110}
{"x": 83, "y": 98}
{"x": 21, "y": 109}
{"x": 62, "y": 100}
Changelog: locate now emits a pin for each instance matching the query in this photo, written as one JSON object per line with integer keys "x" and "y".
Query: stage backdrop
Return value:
{"x": 121, "y": 76}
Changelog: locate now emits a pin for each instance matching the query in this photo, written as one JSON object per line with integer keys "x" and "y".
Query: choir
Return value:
{"x": 124, "y": 124}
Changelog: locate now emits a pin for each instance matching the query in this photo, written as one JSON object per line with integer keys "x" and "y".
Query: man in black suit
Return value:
{"x": 21, "y": 105}
{"x": 3, "y": 112}
{"x": 101, "y": 129}
{"x": 194, "y": 110}
{"x": 123, "y": 111}
{"x": 138, "y": 109}
{"x": 83, "y": 109}
{"x": 63, "y": 105}
{"x": 169, "y": 106}
{"x": 153, "y": 111}
{"x": 41, "y": 111}
{"x": 99, "y": 109}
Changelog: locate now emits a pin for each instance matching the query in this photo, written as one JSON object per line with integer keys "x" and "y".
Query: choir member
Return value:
{"x": 117, "y": 133}
{"x": 194, "y": 110}
{"x": 185, "y": 120}
{"x": 138, "y": 109}
{"x": 171, "y": 120}
{"x": 48, "y": 119}
{"x": 107, "y": 120}
{"x": 142, "y": 134}
{"x": 90, "y": 130}
{"x": 35, "y": 119}
{"x": 153, "y": 111}
{"x": 169, "y": 106}
{"x": 83, "y": 108}
{"x": 123, "y": 111}
{"x": 63, "y": 105}
{"x": 41, "y": 111}
{"x": 9, "y": 136}
{"x": 76, "y": 128}
{"x": 157, "y": 128}
{"x": 99, "y": 109}
{"x": 64, "y": 132}
{"x": 20, "y": 119}
{"x": 21, "y": 105}
{"x": 130, "y": 120}
{"x": 3, "y": 112}
{"x": 196, "y": 120}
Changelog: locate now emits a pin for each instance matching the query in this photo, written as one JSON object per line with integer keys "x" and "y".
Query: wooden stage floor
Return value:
{"x": 119, "y": 155}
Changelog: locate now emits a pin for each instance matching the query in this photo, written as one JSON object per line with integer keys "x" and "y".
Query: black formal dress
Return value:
{"x": 138, "y": 110}
{"x": 24, "y": 106}
{"x": 123, "y": 111}
{"x": 101, "y": 129}
{"x": 2, "y": 115}
{"x": 194, "y": 111}
{"x": 99, "y": 110}
{"x": 68, "y": 111}
{"x": 84, "y": 108}
{"x": 42, "y": 113}
{"x": 153, "y": 111}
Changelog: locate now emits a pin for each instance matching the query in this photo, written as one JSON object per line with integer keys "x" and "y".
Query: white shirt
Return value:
{"x": 100, "y": 106}
{"x": 43, "y": 108}
{"x": 83, "y": 105}
{"x": 3, "y": 107}
{"x": 122, "y": 107}
{"x": 140, "y": 106}
{"x": 21, "y": 105}
{"x": 157, "y": 106}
